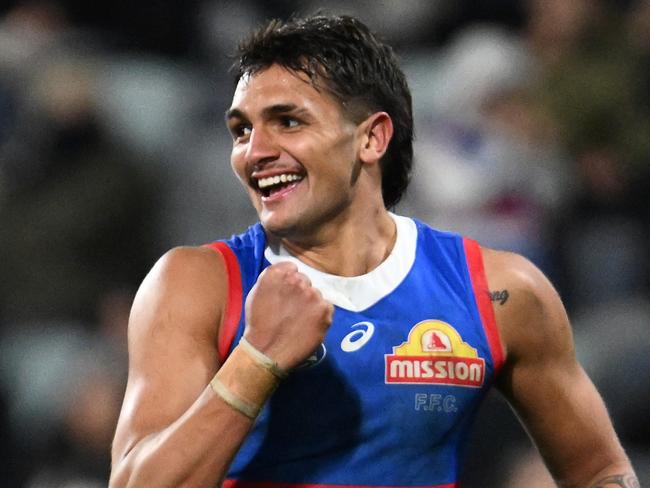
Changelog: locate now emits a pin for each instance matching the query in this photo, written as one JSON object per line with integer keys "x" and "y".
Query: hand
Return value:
{"x": 286, "y": 318}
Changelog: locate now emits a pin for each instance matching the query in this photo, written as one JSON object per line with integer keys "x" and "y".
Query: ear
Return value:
{"x": 377, "y": 131}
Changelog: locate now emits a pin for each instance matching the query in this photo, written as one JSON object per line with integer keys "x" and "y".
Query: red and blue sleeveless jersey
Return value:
{"x": 389, "y": 397}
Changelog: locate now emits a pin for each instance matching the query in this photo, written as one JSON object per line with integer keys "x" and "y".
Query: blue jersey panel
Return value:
{"x": 390, "y": 395}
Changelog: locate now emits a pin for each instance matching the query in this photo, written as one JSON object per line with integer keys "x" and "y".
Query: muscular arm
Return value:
{"x": 173, "y": 430}
{"x": 556, "y": 401}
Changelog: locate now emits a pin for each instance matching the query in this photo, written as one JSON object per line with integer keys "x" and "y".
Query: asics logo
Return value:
{"x": 358, "y": 338}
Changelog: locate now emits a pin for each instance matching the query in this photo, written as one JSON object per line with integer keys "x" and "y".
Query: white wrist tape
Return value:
{"x": 242, "y": 406}
{"x": 247, "y": 379}
{"x": 263, "y": 359}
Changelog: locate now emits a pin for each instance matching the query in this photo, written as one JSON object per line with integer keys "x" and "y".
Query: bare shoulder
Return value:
{"x": 188, "y": 286}
{"x": 528, "y": 310}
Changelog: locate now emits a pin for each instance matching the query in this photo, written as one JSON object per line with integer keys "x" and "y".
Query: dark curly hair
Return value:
{"x": 341, "y": 55}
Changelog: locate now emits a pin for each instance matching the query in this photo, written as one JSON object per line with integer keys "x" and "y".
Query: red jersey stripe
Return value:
{"x": 232, "y": 314}
{"x": 483, "y": 302}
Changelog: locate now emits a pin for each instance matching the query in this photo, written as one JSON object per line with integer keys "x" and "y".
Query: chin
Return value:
{"x": 294, "y": 227}
{"x": 278, "y": 227}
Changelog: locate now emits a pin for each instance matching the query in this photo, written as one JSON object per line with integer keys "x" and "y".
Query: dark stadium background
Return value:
{"x": 532, "y": 135}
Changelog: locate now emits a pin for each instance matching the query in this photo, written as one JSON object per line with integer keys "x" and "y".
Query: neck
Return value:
{"x": 353, "y": 245}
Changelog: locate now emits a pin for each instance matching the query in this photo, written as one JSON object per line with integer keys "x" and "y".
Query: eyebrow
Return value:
{"x": 278, "y": 109}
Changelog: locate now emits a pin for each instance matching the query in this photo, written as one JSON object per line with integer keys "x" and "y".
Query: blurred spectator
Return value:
{"x": 65, "y": 382}
{"x": 76, "y": 210}
{"x": 172, "y": 115}
{"x": 488, "y": 164}
{"x": 594, "y": 89}
{"x": 26, "y": 31}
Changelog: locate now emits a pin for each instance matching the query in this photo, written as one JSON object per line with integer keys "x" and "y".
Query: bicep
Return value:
{"x": 172, "y": 344}
{"x": 543, "y": 381}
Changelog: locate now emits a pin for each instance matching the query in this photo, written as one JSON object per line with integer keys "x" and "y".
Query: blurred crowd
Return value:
{"x": 532, "y": 135}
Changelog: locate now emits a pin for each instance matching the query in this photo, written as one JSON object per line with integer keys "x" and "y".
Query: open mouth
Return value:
{"x": 275, "y": 184}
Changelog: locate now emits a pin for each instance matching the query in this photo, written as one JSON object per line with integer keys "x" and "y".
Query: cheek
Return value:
{"x": 238, "y": 166}
{"x": 339, "y": 162}
{"x": 331, "y": 152}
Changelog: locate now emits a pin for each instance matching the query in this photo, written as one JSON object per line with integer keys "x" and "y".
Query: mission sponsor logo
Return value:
{"x": 435, "y": 353}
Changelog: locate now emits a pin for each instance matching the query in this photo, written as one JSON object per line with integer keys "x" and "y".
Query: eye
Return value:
{"x": 289, "y": 122}
{"x": 240, "y": 131}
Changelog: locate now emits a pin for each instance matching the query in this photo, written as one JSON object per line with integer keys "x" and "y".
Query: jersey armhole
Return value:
{"x": 232, "y": 314}
{"x": 483, "y": 303}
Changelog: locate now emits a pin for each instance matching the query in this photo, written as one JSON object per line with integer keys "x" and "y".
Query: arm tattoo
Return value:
{"x": 618, "y": 481}
{"x": 500, "y": 296}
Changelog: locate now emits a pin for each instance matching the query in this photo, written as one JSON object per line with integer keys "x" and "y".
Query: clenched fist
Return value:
{"x": 286, "y": 317}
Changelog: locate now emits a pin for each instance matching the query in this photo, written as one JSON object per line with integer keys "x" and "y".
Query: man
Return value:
{"x": 377, "y": 331}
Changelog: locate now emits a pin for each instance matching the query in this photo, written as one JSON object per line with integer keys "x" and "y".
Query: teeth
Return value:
{"x": 274, "y": 180}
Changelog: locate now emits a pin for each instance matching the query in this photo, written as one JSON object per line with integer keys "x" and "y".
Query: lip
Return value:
{"x": 281, "y": 194}
{"x": 266, "y": 173}
{"x": 271, "y": 171}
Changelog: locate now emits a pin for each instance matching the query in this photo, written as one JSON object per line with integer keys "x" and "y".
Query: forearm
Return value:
{"x": 195, "y": 450}
{"x": 198, "y": 447}
{"x": 586, "y": 453}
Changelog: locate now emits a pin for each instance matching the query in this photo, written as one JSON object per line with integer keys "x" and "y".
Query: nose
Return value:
{"x": 261, "y": 147}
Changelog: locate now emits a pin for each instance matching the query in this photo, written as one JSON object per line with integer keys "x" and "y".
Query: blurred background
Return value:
{"x": 533, "y": 135}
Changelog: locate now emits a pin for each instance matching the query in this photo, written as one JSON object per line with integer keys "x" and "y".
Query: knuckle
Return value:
{"x": 329, "y": 313}
{"x": 280, "y": 270}
{"x": 285, "y": 267}
{"x": 290, "y": 279}
{"x": 304, "y": 278}
{"x": 314, "y": 295}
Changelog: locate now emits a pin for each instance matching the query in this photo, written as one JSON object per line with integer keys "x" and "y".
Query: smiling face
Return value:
{"x": 293, "y": 150}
